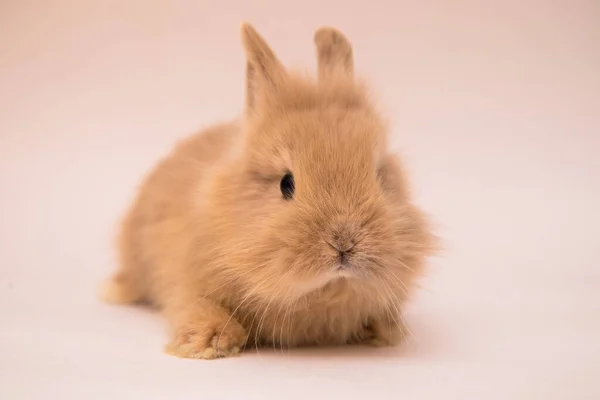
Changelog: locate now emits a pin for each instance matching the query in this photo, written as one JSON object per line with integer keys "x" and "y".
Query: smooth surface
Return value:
{"x": 495, "y": 105}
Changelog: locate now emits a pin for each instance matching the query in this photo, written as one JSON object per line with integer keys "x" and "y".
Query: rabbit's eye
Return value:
{"x": 287, "y": 186}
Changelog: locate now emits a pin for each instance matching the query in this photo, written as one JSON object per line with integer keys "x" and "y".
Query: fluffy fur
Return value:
{"x": 211, "y": 241}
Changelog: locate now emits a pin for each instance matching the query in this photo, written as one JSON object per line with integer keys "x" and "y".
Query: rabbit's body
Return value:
{"x": 293, "y": 227}
{"x": 166, "y": 203}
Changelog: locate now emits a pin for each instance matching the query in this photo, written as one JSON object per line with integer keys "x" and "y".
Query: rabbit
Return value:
{"x": 293, "y": 226}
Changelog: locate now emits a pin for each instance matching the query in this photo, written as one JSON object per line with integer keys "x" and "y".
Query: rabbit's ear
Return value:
{"x": 334, "y": 53}
{"x": 264, "y": 72}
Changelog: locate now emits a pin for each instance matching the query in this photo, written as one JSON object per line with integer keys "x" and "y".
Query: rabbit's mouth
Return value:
{"x": 343, "y": 254}
{"x": 344, "y": 270}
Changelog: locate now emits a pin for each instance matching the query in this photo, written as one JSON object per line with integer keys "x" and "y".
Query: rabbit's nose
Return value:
{"x": 343, "y": 255}
{"x": 344, "y": 237}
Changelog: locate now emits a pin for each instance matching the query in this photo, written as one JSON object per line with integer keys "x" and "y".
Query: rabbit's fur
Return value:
{"x": 231, "y": 263}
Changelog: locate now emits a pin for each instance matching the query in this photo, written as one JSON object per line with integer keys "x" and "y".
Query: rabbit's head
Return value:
{"x": 314, "y": 198}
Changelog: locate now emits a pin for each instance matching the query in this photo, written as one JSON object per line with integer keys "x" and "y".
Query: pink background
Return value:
{"x": 495, "y": 106}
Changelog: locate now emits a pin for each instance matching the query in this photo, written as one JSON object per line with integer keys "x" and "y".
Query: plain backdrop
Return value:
{"x": 495, "y": 106}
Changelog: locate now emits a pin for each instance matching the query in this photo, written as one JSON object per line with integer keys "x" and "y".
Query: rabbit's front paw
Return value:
{"x": 380, "y": 334}
{"x": 208, "y": 340}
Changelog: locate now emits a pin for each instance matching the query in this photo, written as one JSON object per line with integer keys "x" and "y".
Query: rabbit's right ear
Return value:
{"x": 264, "y": 72}
{"x": 334, "y": 53}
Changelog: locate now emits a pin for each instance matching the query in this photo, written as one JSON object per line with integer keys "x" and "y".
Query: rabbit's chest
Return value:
{"x": 315, "y": 324}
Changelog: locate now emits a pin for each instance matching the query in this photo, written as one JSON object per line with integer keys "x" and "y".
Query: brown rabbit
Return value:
{"x": 292, "y": 228}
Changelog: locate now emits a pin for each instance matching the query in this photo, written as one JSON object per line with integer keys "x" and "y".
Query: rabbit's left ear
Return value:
{"x": 264, "y": 72}
{"x": 334, "y": 53}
